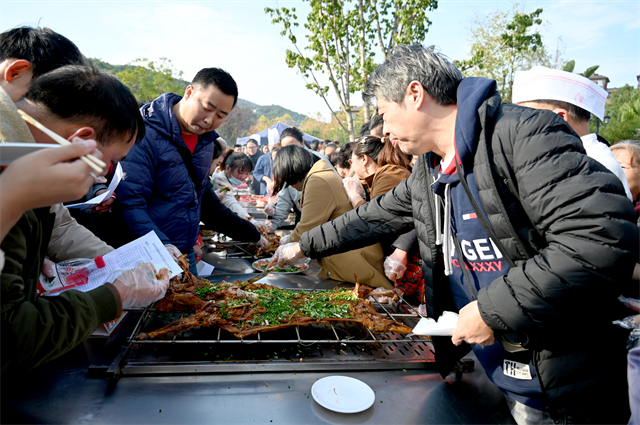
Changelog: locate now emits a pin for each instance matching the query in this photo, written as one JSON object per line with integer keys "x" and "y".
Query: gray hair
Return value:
{"x": 435, "y": 71}
{"x": 631, "y": 146}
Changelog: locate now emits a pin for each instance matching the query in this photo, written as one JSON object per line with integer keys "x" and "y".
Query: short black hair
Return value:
{"x": 219, "y": 78}
{"x": 44, "y": 48}
{"x": 314, "y": 145}
{"x": 85, "y": 95}
{"x": 292, "y": 132}
{"x": 237, "y": 160}
{"x": 364, "y": 129}
{"x": 344, "y": 156}
{"x": 575, "y": 112}
{"x": 292, "y": 164}
{"x": 375, "y": 122}
{"x": 217, "y": 149}
{"x": 252, "y": 141}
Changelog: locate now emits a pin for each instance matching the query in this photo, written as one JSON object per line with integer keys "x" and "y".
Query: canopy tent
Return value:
{"x": 271, "y": 135}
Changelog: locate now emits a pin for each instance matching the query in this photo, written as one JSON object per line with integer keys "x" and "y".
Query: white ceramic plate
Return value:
{"x": 256, "y": 265}
{"x": 343, "y": 394}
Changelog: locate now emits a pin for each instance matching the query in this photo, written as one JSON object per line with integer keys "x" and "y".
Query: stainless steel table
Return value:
{"x": 61, "y": 392}
{"x": 72, "y": 389}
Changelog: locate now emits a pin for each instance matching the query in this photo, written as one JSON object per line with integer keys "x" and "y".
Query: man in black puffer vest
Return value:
{"x": 547, "y": 235}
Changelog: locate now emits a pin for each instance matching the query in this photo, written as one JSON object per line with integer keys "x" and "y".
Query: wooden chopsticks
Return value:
{"x": 91, "y": 160}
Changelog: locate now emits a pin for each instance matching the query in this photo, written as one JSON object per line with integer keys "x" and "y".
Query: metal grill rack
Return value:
{"x": 327, "y": 346}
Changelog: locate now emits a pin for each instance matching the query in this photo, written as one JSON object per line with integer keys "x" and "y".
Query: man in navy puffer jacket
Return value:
{"x": 166, "y": 172}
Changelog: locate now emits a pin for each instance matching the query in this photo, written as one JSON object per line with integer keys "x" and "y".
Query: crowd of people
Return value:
{"x": 515, "y": 216}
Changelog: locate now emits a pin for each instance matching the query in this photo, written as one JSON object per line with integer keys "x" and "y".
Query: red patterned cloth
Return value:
{"x": 412, "y": 282}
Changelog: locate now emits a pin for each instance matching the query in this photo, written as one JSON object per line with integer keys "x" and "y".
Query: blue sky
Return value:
{"x": 238, "y": 36}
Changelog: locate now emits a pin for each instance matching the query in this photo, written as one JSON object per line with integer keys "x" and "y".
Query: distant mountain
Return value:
{"x": 270, "y": 111}
{"x": 275, "y": 111}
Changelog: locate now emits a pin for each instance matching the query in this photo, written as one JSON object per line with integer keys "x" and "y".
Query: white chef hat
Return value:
{"x": 542, "y": 83}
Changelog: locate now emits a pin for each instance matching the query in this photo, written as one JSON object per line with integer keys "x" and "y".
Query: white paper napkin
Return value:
{"x": 443, "y": 327}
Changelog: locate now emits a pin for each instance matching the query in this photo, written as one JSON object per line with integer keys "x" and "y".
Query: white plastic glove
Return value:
{"x": 394, "y": 270}
{"x": 288, "y": 254}
{"x": 263, "y": 243}
{"x": 285, "y": 239}
{"x": 139, "y": 287}
{"x": 262, "y": 228}
{"x": 173, "y": 251}
{"x": 354, "y": 189}
{"x": 270, "y": 209}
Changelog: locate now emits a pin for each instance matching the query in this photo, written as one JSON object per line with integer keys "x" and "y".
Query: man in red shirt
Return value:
{"x": 167, "y": 170}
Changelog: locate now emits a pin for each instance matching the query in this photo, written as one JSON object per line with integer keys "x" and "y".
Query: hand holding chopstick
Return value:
{"x": 91, "y": 160}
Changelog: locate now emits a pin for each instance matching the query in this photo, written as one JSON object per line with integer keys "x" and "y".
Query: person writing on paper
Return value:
{"x": 574, "y": 98}
{"x": 74, "y": 102}
{"x": 167, "y": 170}
{"x": 519, "y": 231}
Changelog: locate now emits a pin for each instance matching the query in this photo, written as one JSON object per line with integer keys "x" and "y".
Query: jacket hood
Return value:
{"x": 472, "y": 93}
{"x": 159, "y": 115}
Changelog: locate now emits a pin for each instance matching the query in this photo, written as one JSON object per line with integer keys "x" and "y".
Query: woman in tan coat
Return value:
{"x": 382, "y": 167}
{"x": 324, "y": 199}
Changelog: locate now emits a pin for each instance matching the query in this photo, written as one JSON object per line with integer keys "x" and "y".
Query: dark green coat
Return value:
{"x": 38, "y": 329}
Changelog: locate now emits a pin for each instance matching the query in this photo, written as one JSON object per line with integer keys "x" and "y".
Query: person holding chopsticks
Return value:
{"x": 74, "y": 103}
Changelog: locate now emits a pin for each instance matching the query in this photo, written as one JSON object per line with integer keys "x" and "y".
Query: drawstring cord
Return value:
{"x": 448, "y": 239}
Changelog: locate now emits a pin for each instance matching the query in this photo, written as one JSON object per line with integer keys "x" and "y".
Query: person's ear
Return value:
{"x": 83, "y": 133}
{"x": 188, "y": 92}
{"x": 18, "y": 68}
{"x": 563, "y": 113}
{"x": 415, "y": 95}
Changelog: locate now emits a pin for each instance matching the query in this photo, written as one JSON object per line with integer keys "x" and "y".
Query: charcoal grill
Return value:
{"x": 335, "y": 346}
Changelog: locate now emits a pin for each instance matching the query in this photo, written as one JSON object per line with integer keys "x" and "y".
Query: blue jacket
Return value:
{"x": 263, "y": 168}
{"x": 158, "y": 193}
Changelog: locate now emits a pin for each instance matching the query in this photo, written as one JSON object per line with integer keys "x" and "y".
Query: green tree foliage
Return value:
{"x": 569, "y": 67}
{"x": 344, "y": 36}
{"x": 623, "y": 108}
{"x": 502, "y": 43}
{"x": 149, "y": 79}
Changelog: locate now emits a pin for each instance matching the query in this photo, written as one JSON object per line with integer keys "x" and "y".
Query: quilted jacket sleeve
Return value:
{"x": 389, "y": 213}
{"x": 216, "y": 216}
{"x": 581, "y": 211}
{"x": 135, "y": 190}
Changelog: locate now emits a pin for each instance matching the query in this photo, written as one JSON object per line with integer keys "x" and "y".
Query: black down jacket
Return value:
{"x": 566, "y": 223}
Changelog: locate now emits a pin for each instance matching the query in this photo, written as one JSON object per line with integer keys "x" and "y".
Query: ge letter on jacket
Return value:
{"x": 481, "y": 255}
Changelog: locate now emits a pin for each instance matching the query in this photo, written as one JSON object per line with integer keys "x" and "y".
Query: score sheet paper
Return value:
{"x": 115, "y": 181}
{"x": 147, "y": 249}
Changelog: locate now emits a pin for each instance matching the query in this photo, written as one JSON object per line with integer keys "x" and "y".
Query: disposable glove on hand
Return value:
{"x": 285, "y": 239}
{"x": 140, "y": 287}
{"x": 270, "y": 209}
{"x": 220, "y": 194}
{"x": 393, "y": 269}
{"x": 263, "y": 243}
{"x": 288, "y": 254}
{"x": 175, "y": 252}
{"x": 262, "y": 228}
{"x": 354, "y": 189}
